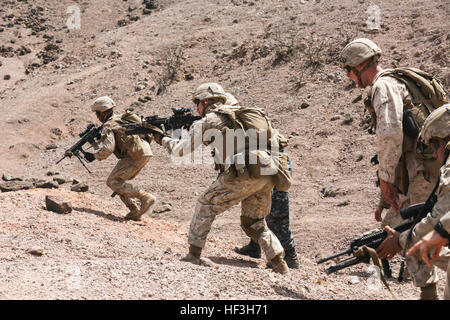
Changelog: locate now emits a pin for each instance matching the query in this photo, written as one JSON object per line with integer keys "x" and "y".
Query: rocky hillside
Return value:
{"x": 56, "y": 57}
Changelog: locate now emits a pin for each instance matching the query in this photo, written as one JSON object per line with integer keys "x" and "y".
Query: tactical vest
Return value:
{"x": 251, "y": 119}
{"x": 128, "y": 145}
{"x": 427, "y": 94}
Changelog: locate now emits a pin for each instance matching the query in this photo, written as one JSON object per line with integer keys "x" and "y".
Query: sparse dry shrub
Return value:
{"x": 172, "y": 62}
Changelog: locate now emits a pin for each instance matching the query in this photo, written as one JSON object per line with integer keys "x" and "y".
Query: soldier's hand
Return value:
{"x": 68, "y": 154}
{"x": 159, "y": 136}
{"x": 433, "y": 242}
{"x": 390, "y": 195}
{"x": 390, "y": 246}
{"x": 89, "y": 156}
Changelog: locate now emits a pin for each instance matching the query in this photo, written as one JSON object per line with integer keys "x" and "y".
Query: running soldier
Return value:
{"x": 132, "y": 151}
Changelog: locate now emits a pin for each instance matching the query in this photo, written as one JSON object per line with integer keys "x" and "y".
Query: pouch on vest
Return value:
{"x": 410, "y": 126}
{"x": 283, "y": 179}
{"x": 132, "y": 144}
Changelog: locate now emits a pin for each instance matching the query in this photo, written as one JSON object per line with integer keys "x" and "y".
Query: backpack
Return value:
{"x": 250, "y": 118}
{"x": 131, "y": 145}
{"x": 427, "y": 94}
{"x": 426, "y": 91}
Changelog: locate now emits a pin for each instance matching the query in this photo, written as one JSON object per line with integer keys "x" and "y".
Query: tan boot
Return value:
{"x": 429, "y": 292}
{"x": 279, "y": 265}
{"x": 193, "y": 256}
{"x": 147, "y": 200}
{"x": 134, "y": 209}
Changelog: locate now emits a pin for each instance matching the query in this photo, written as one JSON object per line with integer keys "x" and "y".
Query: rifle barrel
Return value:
{"x": 344, "y": 264}
{"x": 348, "y": 251}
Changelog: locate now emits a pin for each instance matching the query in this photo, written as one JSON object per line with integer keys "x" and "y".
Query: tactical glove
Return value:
{"x": 158, "y": 137}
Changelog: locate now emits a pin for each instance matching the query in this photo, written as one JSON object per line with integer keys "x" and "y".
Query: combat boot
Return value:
{"x": 291, "y": 258}
{"x": 193, "y": 256}
{"x": 279, "y": 265}
{"x": 429, "y": 292}
{"x": 134, "y": 209}
{"x": 252, "y": 249}
{"x": 147, "y": 200}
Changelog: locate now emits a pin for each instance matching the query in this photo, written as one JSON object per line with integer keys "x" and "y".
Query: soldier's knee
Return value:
{"x": 114, "y": 183}
{"x": 253, "y": 228}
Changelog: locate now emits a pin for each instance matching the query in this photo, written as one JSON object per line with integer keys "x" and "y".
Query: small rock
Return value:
{"x": 51, "y": 146}
{"x": 335, "y": 118}
{"x": 52, "y": 173}
{"x": 59, "y": 180}
{"x": 57, "y": 205}
{"x": 9, "y": 186}
{"x": 80, "y": 187}
{"x": 343, "y": 203}
{"x": 360, "y": 157}
{"x": 46, "y": 184}
{"x": 7, "y": 177}
{"x": 163, "y": 208}
{"x": 36, "y": 251}
{"x": 329, "y": 191}
{"x": 7, "y": 77}
{"x": 304, "y": 105}
{"x": 347, "y": 119}
{"x": 353, "y": 279}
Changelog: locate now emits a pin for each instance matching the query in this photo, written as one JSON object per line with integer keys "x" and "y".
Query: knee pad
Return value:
{"x": 253, "y": 227}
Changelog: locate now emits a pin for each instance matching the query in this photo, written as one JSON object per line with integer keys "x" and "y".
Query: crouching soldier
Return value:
{"x": 236, "y": 183}
{"x": 132, "y": 151}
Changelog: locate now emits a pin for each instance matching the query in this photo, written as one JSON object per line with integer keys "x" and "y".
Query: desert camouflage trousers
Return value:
{"x": 254, "y": 194}
{"x": 418, "y": 191}
{"x": 422, "y": 274}
{"x": 278, "y": 218}
{"x": 447, "y": 286}
{"x": 126, "y": 169}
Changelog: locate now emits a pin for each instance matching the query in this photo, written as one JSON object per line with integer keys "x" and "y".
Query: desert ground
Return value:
{"x": 56, "y": 57}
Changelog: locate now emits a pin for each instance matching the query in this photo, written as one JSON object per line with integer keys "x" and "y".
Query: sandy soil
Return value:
{"x": 275, "y": 54}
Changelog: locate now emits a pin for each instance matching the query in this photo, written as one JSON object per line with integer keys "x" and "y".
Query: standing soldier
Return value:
{"x": 398, "y": 108}
{"x": 132, "y": 151}
{"x": 237, "y": 182}
{"x": 277, "y": 220}
{"x": 434, "y": 230}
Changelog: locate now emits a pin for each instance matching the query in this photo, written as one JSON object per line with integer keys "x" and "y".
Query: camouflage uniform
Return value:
{"x": 445, "y": 221}
{"x": 440, "y": 212}
{"x": 228, "y": 190}
{"x": 278, "y": 218}
{"x": 127, "y": 168}
{"x": 388, "y": 95}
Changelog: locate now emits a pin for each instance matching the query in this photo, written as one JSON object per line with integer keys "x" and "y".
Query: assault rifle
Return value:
{"x": 182, "y": 118}
{"x": 90, "y": 134}
{"x": 373, "y": 239}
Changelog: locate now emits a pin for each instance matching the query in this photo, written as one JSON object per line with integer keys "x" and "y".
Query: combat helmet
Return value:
{"x": 358, "y": 51}
{"x": 437, "y": 125}
{"x": 102, "y": 104}
{"x": 207, "y": 91}
{"x": 231, "y": 100}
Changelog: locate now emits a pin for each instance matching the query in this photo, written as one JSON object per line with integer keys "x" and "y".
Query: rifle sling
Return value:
{"x": 364, "y": 250}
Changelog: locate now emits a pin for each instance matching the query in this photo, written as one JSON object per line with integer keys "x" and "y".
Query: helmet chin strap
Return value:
{"x": 359, "y": 73}
{"x": 106, "y": 115}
